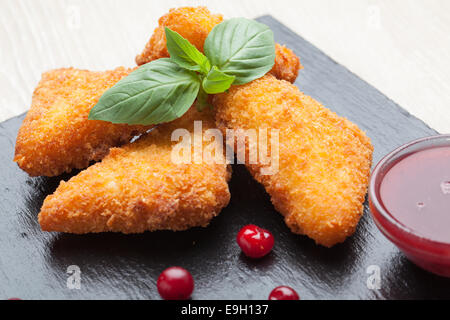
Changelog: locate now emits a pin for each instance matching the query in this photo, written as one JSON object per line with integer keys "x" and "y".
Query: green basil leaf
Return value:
{"x": 216, "y": 81}
{"x": 185, "y": 54}
{"x": 242, "y": 48}
{"x": 159, "y": 91}
{"x": 202, "y": 101}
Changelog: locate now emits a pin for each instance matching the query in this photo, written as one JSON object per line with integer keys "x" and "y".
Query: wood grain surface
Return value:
{"x": 402, "y": 47}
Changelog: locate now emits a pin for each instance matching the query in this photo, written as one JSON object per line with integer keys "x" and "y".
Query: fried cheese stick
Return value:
{"x": 139, "y": 187}
{"x": 56, "y": 135}
{"x": 194, "y": 24}
{"x": 324, "y": 159}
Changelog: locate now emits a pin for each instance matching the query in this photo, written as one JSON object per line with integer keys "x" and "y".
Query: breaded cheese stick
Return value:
{"x": 174, "y": 198}
{"x": 139, "y": 187}
{"x": 194, "y": 24}
{"x": 324, "y": 159}
{"x": 56, "y": 135}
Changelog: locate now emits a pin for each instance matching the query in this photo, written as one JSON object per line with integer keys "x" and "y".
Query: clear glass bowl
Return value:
{"x": 427, "y": 253}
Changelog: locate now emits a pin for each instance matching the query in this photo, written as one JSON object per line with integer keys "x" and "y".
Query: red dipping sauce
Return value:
{"x": 416, "y": 191}
{"x": 409, "y": 196}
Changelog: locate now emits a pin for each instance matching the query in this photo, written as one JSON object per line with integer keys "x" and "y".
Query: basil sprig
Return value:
{"x": 183, "y": 53}
{"x": 242, "y": 48}
{"x": 237, "y": 51}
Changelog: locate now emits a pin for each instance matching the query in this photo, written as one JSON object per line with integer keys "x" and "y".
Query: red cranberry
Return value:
{"x": 175, "y": 283}
{"x": 283, "y": 293}
{"x": 254, "y": 241}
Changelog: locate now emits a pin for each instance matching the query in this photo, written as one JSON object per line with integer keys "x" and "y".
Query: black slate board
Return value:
{"x": 33, "y": 264}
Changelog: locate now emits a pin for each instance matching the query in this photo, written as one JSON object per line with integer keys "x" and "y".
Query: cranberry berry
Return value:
{"x": 283, "y": 293}
{"x": 175, "y": 283}
{"x": 254, "y": 241}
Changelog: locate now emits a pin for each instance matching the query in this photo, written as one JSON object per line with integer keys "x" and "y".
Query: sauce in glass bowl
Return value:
{"x": 409, "y": 195}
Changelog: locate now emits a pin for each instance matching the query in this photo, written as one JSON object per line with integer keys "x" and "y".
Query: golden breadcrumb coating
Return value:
{"x": 324, "y": 159}
{"x": 137, "y": 188}
{"x": 56, "y": 135}
{"x": 194, "y": 24}
{"x": 287, "y": 64}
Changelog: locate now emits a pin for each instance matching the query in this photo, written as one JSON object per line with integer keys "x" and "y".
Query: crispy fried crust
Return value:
{"x": 324, "y": 159}
{"x": 287, "y": 64}
{"x": 194, "y": 24}
{"x": 56, "y": 135}
{"x": 137, "y": 188}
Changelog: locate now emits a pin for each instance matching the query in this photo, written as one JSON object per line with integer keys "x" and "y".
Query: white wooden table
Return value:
{"x": 402, "y": 47}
